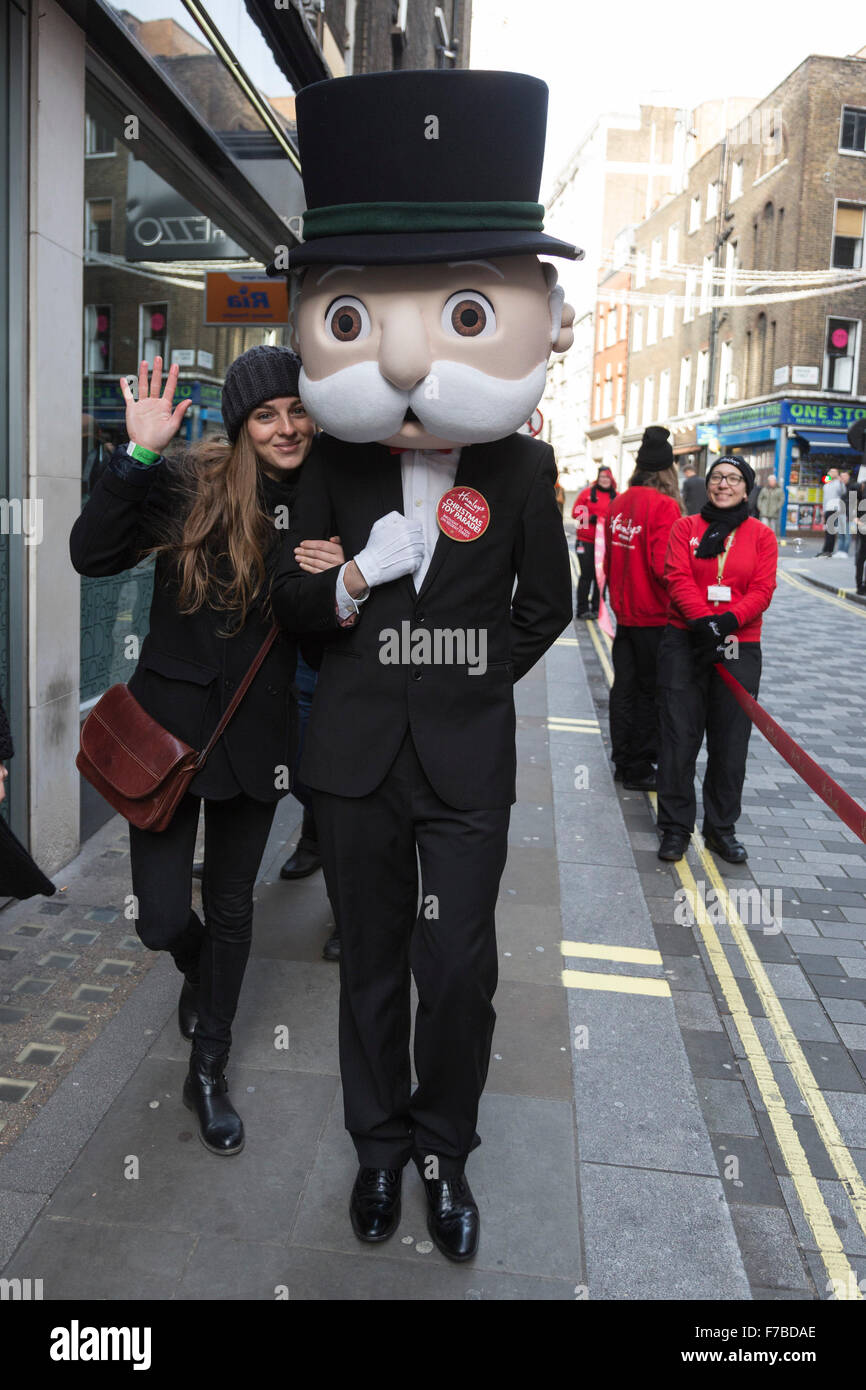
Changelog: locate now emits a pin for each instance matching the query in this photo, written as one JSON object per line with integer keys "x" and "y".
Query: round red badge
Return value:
{"x": 463, "y": 514}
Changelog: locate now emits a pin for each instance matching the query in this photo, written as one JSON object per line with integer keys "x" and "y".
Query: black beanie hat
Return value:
{"x": 746, "y": 469}
{"x": 259, "y": 374}
{"x": 655, "y": 453}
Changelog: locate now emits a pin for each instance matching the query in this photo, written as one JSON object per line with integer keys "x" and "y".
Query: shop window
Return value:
{"x": 685, "y": 386}
{"x": 853, "y": 135}
{"x": 153, "y": 332}
{"x": 736, "y": 180}
{"x": 848, "y": 236}
{"x": 840, "y": 354}
{"x": 695, "y": 213}
{"x": 97, "y": 338}
{"x": 97, "y": 229}
{"x": 97, "y": 140}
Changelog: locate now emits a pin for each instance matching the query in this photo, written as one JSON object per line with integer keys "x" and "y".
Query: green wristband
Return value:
{"x": 142, "y": 455}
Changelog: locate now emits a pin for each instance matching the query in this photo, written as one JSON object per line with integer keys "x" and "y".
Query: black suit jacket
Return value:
{"x": 462, "y": 724}
{"x": 186, "y": 672}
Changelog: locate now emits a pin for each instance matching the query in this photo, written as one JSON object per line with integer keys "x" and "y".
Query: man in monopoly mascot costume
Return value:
{"x": 424, "y": 320}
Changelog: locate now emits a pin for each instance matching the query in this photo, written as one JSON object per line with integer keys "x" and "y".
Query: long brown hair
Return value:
{"x": 663, "y": 480}
{"x": 221, "y": 535}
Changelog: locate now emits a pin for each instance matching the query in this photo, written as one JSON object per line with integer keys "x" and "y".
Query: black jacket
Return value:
{"x": 462, "y": 725}
{"x": 187, "y": 672}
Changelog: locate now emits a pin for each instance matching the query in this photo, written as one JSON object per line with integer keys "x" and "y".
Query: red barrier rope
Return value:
{"x": 845, "y": 807}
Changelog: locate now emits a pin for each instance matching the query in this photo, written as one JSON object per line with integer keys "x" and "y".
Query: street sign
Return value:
{"x": 246, "y": 299}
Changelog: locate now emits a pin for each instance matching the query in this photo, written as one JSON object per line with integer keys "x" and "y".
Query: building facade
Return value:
{"x": 609, "y": 372}
{"x": 749, "y": 290}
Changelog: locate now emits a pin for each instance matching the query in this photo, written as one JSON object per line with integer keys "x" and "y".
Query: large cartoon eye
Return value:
{"x": 347, "y": 320}
{"x": 469, "y": 315}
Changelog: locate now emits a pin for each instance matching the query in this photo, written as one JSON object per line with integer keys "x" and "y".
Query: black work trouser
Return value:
{"x": 368, "y": 846}
{"x": 587, "y": 588}
{"x": 214, "y": 952}
{"x": 694, "y": 702}
{"x": 829, "y": 536}
{"x": 632, "y": 706}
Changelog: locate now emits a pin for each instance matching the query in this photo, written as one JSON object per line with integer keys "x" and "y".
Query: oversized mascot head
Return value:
{"x": 421, "y": 311}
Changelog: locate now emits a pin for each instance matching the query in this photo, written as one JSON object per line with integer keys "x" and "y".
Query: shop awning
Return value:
{"x": 828, "y": 441}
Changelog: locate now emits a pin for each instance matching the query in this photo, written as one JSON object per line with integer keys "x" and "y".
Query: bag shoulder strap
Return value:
{"x": 238, "y": 695}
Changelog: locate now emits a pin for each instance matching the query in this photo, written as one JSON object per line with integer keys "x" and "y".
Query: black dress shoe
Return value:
{"x": 723, "y": 843}
{"x": 187, "y": 1008}
{"x": 673, "y": 845}
{"x": 452, "y": 1219}
{"x": 305, "y": 859}
{"x": 206, "y": 1091}
{"x": 331, "y": 948}
{"x": 640, "y": 784}
{"x": 375, "y": 1203}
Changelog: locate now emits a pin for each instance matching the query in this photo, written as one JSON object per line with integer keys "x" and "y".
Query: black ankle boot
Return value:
{"x": 187, "y": 1008}
{"x": 206, "y": 1091}
{"x": 305, "y": 859}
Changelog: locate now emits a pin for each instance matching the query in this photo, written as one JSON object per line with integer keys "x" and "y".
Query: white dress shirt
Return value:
{"x": 426, "y": 474}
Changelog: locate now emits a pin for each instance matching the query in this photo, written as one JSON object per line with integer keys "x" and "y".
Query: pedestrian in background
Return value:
{"x": 770, "y": 503}
{"x": 720, "y": 571}
{"x": 213, "y": 520}
{"x": 637, "y": 529}
{"x": 831, "y": 500}
{"x": 849, "y": 487}
{"x": 590, "y": 510}
{"x": 694, "y": 490}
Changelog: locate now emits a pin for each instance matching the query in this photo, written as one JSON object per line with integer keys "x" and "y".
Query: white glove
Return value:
{"x": 394, "y": 547}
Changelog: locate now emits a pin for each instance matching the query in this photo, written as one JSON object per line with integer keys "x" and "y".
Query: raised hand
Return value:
{"x": 150, "y": 420}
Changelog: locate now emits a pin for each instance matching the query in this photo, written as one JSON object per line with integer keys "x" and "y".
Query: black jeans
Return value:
{"x": 370, "y": 851}
{"x": 829, "y": 536}
{"x": 214, "y": 952}
{"x": 587, "y": 588}
{"x": 632, "y": 707}
{"x": 693, "y": 702}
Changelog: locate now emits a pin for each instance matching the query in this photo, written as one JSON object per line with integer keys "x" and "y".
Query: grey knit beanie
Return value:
{"x": 259, "y": 374}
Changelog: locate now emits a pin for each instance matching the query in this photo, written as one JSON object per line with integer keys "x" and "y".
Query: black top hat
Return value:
{"x": 408, "y": 167}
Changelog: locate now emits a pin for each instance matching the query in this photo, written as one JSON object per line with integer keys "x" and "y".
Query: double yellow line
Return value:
{"x": 836, "y": 1263}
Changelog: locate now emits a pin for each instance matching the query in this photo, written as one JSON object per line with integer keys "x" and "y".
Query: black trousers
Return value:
{"x": 693, "y": 703}
{"x": 587, "y": 588}
{"x": 829, "y": 536}
{"x": 370, "y": 848}
{"x": 860, "y": 563}
{"x": 632, "y": 707}
{"x": 213, "y": 952}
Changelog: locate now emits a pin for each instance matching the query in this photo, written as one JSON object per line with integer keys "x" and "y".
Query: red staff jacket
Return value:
{"x": 586, "y": 508}
{"x": 637, "y": 529}
{"x": 750, "y": 571}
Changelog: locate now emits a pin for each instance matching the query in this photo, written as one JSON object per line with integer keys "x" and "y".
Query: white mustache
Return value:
{"x": 454, "y": 402}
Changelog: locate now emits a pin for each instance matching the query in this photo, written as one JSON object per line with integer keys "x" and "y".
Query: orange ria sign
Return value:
{"x": 245, "y": 299}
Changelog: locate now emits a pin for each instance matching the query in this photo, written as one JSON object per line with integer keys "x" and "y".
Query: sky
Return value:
{"x": 607, "y": 57}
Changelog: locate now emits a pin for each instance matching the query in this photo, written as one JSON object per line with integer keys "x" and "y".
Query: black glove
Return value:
{"x": 709, "y": 635}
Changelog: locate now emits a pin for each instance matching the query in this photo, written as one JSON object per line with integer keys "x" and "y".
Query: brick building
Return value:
{"x": 749, "y": 294}
{"x": 609, "y": 370}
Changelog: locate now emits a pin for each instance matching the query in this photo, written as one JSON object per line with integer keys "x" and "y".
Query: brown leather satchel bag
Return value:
{"x": 141, "y": 769}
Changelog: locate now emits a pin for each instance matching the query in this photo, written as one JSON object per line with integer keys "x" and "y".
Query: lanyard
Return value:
{"x": 723, "y": 557}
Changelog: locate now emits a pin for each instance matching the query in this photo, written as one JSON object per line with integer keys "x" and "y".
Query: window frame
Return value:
{"x": 844, "y": 149}
{"x": 826, "y": 359}
{"x": 849, "y": 203}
